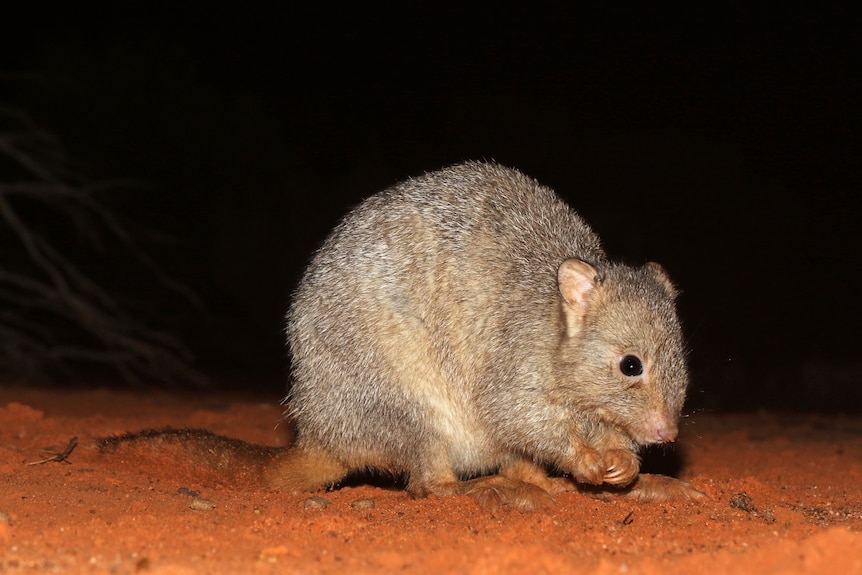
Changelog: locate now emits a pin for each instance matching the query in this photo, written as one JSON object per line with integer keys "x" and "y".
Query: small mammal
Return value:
{"x": 466, "y": 329}
{"x": 467, "y": 322}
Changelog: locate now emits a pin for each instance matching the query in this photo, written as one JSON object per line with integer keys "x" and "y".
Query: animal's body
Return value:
{"x": 466, "y": 328}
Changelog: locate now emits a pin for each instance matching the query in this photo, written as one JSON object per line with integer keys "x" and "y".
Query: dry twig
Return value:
{"x": 62, "y": 456}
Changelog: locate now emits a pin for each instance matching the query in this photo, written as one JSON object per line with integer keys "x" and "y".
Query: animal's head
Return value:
{"x": 622, "y": 348}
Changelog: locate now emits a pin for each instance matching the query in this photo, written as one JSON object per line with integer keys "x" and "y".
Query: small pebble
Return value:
{"x": 202, "y": 504}
{"x": 743, "y": 502}
{"x": 187, "y": 491}
{"x": 363, "y": 504}
{"x": 315, "y": 502}
{"x": 5, "y": 518}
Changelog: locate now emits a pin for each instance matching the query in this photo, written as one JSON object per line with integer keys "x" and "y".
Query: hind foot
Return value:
{"x": 492, "y": 493}
{"x": 648, "y": 488}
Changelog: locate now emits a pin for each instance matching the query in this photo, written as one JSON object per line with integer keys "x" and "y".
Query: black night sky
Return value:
{"x": 722, "y": 144}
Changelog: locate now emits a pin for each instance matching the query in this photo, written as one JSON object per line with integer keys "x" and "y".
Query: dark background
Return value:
{"x": 722, "y": 144}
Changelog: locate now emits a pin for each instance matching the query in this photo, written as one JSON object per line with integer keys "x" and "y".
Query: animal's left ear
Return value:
{"x": 578, "y": 282}
{"x": 660, "y": 274}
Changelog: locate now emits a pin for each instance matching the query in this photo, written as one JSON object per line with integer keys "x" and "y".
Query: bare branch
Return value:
{"x": 47, "y": 296}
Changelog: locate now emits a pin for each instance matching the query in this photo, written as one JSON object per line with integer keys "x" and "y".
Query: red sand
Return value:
{"x": 786, "y": 498}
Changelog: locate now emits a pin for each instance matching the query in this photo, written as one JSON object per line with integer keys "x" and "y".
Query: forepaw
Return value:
{"x": 621, "y": 467}
{"x": 648, "y": 488}
{"x": 590, "y": 467}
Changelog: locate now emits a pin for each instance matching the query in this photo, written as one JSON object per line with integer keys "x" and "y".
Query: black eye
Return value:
{"x": 631, "y": 366}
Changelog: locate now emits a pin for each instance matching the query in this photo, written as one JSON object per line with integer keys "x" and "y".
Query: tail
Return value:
{"x": 210, "y": 458}
{"x": 304, "y": 469}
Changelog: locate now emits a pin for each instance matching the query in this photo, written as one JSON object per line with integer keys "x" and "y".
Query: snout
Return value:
{"x": 659, "y": 429}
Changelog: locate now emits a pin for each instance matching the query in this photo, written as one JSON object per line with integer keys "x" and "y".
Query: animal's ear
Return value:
{"x": 660, "y": 274}
{"x": 577, "y": 281}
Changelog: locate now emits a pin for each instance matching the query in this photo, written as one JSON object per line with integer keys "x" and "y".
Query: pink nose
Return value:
{"x": 667, "y": 434}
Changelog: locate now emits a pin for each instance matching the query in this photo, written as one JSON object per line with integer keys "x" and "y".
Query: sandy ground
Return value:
{"x": 786, "y": 497}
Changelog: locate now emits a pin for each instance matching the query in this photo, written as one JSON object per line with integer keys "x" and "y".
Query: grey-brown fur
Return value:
{"x": 432, "y": 335}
